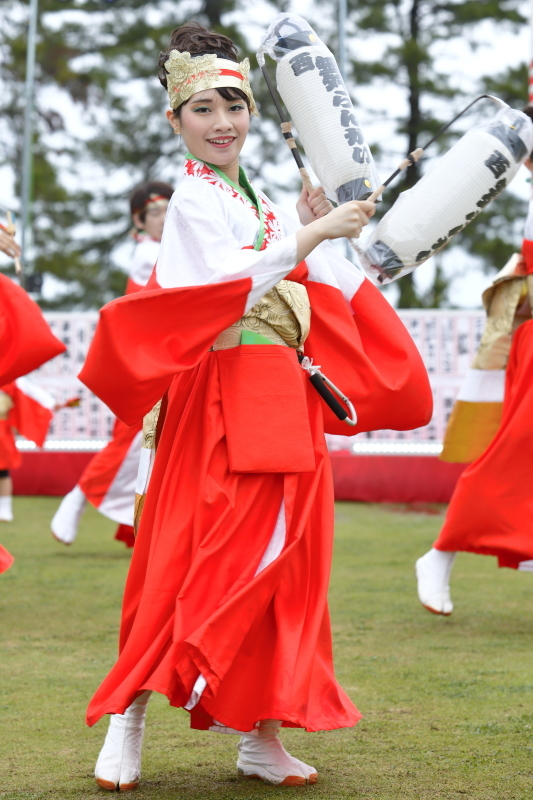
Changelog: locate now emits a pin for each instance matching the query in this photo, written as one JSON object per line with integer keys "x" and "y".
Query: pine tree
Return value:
{"x": 100, "y": 58}
{"x": 412, "y": 30}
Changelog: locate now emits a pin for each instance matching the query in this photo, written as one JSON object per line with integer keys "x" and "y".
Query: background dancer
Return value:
{"x": 27, "y": 409}
{"x": 12, "y": 249}
{"x": 108, "y": 482}
{"x": 225, "y": 608}
{"x": 148, "y": 204}
{"x": 491, "y": 510}
{"x": 26, "y": 342}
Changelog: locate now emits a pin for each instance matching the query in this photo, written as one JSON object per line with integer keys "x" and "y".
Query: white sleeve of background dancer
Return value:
{"x": 143, "y": 261}
{"x": 201, "y": 246}
{"x": 35, "y": 392}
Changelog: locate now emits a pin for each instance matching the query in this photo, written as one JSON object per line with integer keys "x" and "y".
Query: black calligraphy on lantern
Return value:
{"x": 347, "y": 118}
{"x": 492, "y": 193}
{"x": 361, "y": 155}
{"x": 485, "y": 200}
{"x": 329, "y": 72}
{"x": 497, "y": 163}
{"x": 327, "y": 68}
{"x": 340, "y": 98}
{"x": 353, "y": 136}
{"x": 300, "y": 63}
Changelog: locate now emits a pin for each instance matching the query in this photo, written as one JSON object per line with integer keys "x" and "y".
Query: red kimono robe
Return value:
{"x": 30, "y": 415}
{"x": 225, "y": 609}
{"x": 491, "y": 510}
{"x": 108, "y": 481}
{"x": 26, "y": 342}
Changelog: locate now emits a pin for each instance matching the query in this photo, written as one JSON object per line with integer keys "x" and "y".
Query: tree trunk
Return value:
{"x": 408, "y": 295}
{"x": 212, "y": 9}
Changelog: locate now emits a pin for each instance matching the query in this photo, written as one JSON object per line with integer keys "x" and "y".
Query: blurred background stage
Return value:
{"x": 382, "y": 466}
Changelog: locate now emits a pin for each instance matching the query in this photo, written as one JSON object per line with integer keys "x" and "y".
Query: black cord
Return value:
{"x": 438, "y": 134}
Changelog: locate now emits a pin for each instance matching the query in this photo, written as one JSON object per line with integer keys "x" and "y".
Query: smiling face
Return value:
{"x": 213, "y": 129}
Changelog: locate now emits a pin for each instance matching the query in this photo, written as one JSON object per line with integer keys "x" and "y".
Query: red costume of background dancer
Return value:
{"x": 108, "y": 482}
{"x": 26, "y": 342}
{"x": 491, "y": 510}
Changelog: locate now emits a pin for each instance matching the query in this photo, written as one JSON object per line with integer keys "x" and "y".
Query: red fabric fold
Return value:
{"x": 193, "y": 601}
{"x": 491, "y": 511}
{"x": 6, "y": 559}
{"x": 367, "y": 352}
{"x": 100, "y": 473}
{"x": 26, "y": 340}
{"x": 146, "y": 338}
{"x": 132, "y": 287}
{"x": 27, "y": 417}
{"x": 527, "y": 252}
{"x": 10, "y": 457}
{"x": 143, "y": 340}
{"x": 126, "y": 534}
{"x": 30, "y": 418}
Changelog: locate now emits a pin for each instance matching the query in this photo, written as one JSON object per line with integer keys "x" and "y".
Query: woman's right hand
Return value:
{"x": 347, "y": 219}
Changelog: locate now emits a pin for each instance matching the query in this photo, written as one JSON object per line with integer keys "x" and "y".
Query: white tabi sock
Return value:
{"x": 262, "y": 755}
{"x": 6, "y": 509}
{"x": 433, "y": 573}
{"x": 65, "y": 521}
{"x": 119, "y": 762}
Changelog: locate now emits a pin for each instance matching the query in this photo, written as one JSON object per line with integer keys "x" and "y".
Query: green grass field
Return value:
{"x": 447, "y": 703}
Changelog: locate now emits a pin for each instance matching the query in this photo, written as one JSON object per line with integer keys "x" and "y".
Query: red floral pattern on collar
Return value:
{"x": 273, "y": 231}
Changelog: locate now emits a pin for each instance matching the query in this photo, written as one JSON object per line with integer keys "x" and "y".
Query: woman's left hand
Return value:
{"x": 7, "y": 244}
{"x": 312, "y": 206}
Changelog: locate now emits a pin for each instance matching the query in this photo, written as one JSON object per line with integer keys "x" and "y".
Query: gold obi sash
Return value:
{"x": 473, "y": 424}
{"x": 150, "y": 427}
{"x": 504, "y": 303}
{"x": 283, "y": 315}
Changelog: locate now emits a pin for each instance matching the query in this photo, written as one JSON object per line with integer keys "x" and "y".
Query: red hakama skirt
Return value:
{"x": 243, "y": 437}
{"x": 491, "y": 511}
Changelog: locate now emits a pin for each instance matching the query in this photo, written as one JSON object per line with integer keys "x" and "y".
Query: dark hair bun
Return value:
{"x": 198, "y": 41}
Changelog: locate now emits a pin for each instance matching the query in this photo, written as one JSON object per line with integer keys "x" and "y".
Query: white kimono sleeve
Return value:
{"x": 326, "y": 264}
{"x": 203, "y": 240}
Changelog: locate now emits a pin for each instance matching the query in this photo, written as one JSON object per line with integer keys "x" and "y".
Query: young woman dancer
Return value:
{"x": 108, "y": 481}
{"x": 225, "y": 608}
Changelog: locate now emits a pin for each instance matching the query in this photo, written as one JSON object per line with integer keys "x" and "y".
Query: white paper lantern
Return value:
{"x": 461, "y": 184}
{"x": 311, "y": 86}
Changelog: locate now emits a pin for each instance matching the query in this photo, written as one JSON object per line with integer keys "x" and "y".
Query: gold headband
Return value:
{"x": 188, "y": 75}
